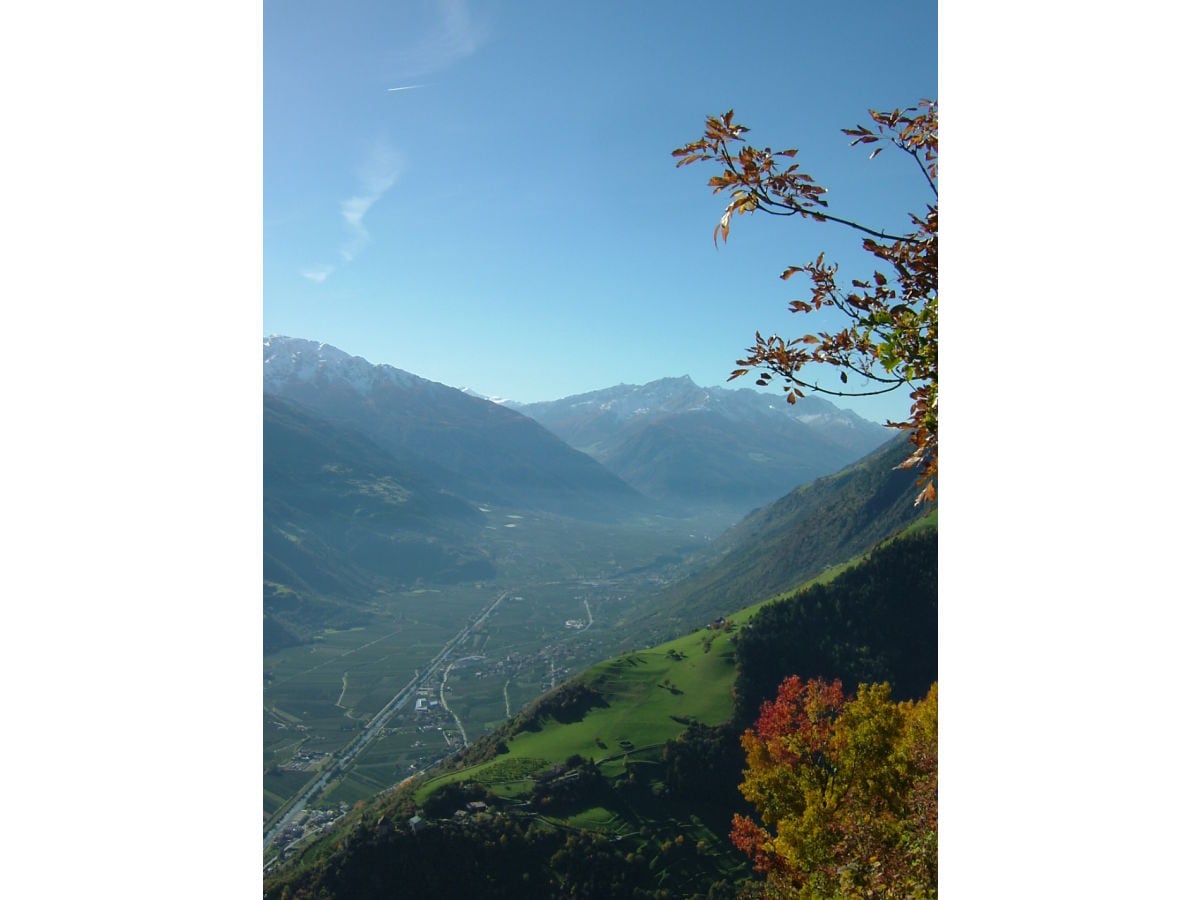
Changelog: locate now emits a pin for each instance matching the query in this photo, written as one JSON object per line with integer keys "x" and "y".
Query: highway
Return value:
{"x": 371, "y": 730}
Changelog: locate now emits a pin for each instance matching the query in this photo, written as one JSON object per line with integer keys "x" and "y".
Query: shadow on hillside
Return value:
{"x": 567, "y": 705}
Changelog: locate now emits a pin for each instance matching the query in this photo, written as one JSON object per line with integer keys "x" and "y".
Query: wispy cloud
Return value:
{"x": 460, "y": 34}
{"x": 355, "y": 208}
{"x": 318, "y": 274}
{"x": 376, "y": 177}
{"x": 453, "y": 34}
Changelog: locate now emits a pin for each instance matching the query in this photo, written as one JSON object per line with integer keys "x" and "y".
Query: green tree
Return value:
{"x": 847, "y": 793}
{"x": 891, "y": 335}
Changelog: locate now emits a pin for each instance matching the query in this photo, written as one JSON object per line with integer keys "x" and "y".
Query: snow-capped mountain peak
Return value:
{"x": 287, "y": 359}
{"x": 499, "y": 401}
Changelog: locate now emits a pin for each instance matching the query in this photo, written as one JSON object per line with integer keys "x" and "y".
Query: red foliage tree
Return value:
{"x": 846, "y": 790}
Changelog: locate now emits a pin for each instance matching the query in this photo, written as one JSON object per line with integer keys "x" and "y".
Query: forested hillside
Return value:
{"x": 875, "y": 622}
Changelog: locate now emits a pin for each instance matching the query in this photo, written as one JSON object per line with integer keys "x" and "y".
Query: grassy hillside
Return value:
{"x": 635, "y": 703}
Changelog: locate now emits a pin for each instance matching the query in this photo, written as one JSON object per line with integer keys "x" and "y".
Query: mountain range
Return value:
{"x": 693, "y": 447}
{"x": 477, "y": 449}
{"x": 669, "y": 446}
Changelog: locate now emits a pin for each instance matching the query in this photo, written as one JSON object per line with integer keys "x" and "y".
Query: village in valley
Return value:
{"x": 453, "y": 704}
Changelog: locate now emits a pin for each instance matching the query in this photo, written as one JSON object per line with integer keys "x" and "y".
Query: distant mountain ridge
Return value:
{"x": 481, "y": 451}
{"x": 587, "y": 420}
{"x": 685, "y": 444}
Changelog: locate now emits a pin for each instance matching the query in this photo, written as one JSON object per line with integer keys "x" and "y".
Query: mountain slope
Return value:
{"x": 477, "y": 449}
{"x": 341, "y": 517}
{"x": 693, "y": 446}
{"x": 817, "y": 525}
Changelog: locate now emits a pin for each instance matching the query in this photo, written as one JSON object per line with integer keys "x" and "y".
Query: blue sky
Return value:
{"x": 513, "y": 221}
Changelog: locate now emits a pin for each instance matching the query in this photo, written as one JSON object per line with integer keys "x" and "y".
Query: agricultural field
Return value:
{"x": 318, "y": 696}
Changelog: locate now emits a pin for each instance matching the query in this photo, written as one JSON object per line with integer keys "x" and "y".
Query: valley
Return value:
{"x": 340, "y": 714}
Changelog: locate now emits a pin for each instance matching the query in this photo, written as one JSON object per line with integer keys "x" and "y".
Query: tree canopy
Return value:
{"x": 890, "y": 339}
{"x": 846, "y": 790}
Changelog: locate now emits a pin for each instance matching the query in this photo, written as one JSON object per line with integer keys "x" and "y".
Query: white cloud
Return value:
{"x": 354, "y": 209}
{"x": 376, "y": 176}
{"x": 318, "y": 274}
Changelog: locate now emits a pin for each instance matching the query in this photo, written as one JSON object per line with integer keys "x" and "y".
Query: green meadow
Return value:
{"x": 649, "y": 696}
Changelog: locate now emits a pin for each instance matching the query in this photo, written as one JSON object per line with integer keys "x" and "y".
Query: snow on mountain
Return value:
{"x": 499, "y": 401}
{"x": 470, "y": 446}
{"x": 685, "y": 444}
{"x": 623, "y": 405}
{"x": 291, "y": 360}
{"x": 670, "y": 439}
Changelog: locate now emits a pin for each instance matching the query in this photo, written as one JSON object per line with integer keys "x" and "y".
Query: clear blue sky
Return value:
{"x": 513, "y": 220}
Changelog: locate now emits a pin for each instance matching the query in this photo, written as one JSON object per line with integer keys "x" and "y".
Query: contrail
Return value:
{"x": 407, "y": 87}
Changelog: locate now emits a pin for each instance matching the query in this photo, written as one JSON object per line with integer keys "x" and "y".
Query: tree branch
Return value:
{"x": 821, "y": 390}
{"x": 913, "y": 153}
{"x": 821, "y": 216}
